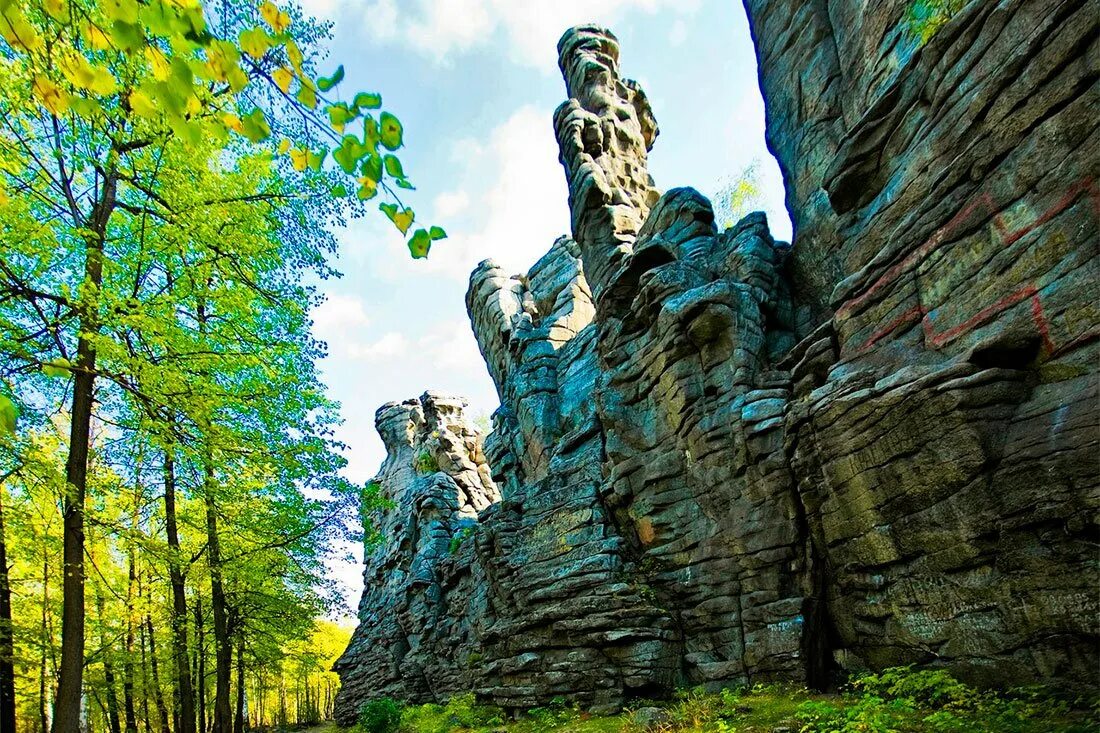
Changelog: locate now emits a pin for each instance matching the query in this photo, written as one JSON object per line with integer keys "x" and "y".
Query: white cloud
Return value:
{"x": 511, "y": 206}
{"x": 327, "y": 9}
{"x": 450, "y": 204}
{"x": 339, "y": 315}
{"x": 388, "y": 346}
{"x": 451, "y": 346}
{"x": 441, "y": 28}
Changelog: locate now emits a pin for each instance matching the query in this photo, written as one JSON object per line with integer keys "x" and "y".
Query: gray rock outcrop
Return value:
{"x": 722, "y": 459}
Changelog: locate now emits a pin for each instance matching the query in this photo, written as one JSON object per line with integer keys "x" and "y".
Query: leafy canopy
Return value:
{"x": 139, "y": 90}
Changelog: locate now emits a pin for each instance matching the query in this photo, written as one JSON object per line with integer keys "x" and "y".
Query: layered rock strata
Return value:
{"x": 722, "y": 459}
{"x": 423, "y": 591}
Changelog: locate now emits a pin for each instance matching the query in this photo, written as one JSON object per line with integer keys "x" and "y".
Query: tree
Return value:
{"x": 738, "y": 196}
{"x": 125, "y": 124}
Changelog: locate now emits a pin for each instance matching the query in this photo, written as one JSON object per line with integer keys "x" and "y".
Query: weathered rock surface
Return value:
{"x": 422, "y": 591}
{"x": 722, "y": 459}
{"x": 944, "y": 433}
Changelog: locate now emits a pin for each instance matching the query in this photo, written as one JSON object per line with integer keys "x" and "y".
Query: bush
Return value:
{"x": 380, "y": 716}
{"x": 426, "y": 463}
{"x": 460, "y": 712}
{"x": 925, "y": 17}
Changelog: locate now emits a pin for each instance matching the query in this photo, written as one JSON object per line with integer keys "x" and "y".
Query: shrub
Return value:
{"x": 426, "y": 463}
{"x": 460, "y": 537}
{"x": 380, "y": 716}
{"x": 465, "y": 711}
{"x": 925, "y": 17}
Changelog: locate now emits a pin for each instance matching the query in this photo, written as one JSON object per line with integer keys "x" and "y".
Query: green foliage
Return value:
{"x": 870, "y": 706}
{"x": 461, "y": 712}
{"x": 902, "y": 698}
{"x": 382, "y": 715}
{"x": 425, "y": 463}
{"x": 461, "y": 536}
{"x": 924, "y": 18}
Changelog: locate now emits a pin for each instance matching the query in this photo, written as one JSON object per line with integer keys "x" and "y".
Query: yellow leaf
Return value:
{"x": 221, "y": 59}
{"x": 299, "y": 158}
{"x": 193, "y": 106}
{"x": 142, "y": 104}
{"x": 254, "y": 42}
{"x": 96, "y": 37}
{"x": 238, "y": 80}
{"x": 58, "y": 9}
{"x": 367, "y": 190}
{"x": 18, "y": 32}
{"x": 295, "y": 55}
{"x": 284, "y": 145}
{"x": 233, "y": 122}
{"x": 282, "y": 77}
{"x": 51, "y": 96}
{"x": 403, "y": 220}
{"x": 82, "y": 75}
{"x": 122, "y": 10}
{"x": 277, "y": 19}
{"x": 158, "y": 62}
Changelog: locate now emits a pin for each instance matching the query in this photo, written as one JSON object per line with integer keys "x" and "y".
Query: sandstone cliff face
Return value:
{"x": 722, "y": 459}
{"x": 422, "y": 592}
{"x": 944, "y": 435}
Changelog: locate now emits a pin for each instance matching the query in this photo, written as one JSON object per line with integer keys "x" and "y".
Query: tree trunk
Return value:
{"x": 144, "y": 681}
{"x": 200, "y": 663}
{"x": 128, "y": 662}
{"x": 158, "y": 693}
{"x": 223, "y": 651}
{"x": 68, "y": 704}
{"x": 113, "y": 722}
{"x": 185, "y": 695}
{"x": 239, "y": 721}
{"x": 7, "y": 642}
{"x": 44, "y": 639}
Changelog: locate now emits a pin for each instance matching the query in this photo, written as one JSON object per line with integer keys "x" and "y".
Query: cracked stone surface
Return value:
{"x": 722, "y": 459}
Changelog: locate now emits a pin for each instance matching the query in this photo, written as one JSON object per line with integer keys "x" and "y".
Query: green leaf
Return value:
{"x": 350, "y": 152}
{"x": 307, "y": 96}
{"x": 372, "y": 167}
{"x": 366, "y": 100}
{"x": 370, "y": 132}
{"x": 325, "y": 83}
{"x": 339, "y": 191}
{"x": 404, "y": 183}
{"x": 437, "y": 233}
{"x": 391, "y": 131}
{"x": 367, "y": 191}
{"x": 181, "y": 78}
{"x": 127, "y": 36}
{"x": 255, "y": 126}
{"x": 255, "y": 42}
{"x": 340, "y": 115}
{"x": 316, "y": 158}
{"x": 420, "y": 244}
{"x": 401, "y": 219}
{"x": 393, "y": 166}
{"x": 57, "y": 368}
{"x": 9, "y": 416}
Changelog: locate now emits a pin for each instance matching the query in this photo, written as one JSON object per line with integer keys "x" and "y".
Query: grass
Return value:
{"x": 898, "y": 700}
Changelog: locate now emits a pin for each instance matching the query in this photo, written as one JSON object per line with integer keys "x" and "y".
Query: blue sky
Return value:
{"x": 476, "y": 84}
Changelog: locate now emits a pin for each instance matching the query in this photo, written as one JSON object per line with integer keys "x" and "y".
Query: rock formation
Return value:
{"x": 722, "y": 459}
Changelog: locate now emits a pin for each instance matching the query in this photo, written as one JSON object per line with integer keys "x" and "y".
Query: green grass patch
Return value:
{"x": 898, "y": 700}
